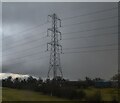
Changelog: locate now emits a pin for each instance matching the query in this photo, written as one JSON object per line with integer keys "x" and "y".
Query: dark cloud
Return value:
{"x": 21, "y": 49}
{"x": 0, "y": 37}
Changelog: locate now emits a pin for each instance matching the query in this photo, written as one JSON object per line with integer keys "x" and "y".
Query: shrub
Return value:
{"x": 69, "y": 93}
{"x": 95, "y": 97}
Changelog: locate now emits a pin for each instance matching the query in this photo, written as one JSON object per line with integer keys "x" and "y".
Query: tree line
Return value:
{"x": 59, "y": 87}
{"x": 55, "y": 87}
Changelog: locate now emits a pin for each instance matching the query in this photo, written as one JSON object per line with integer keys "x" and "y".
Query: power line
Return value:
{"x": 69, "y": 39}
{"x": 92, "y": 51}
{"x": 115, "y": 44}
{"x": 75, "y": 24}
{"x": 24, "y": 56}
{"x": 20, "y": 39}
{"x": 86, "y": 51}
{"x": 32, "y": 47}
{"x": 97, "y": 20}
{"x": 86, "y": 14}
{"x": 25, "y": 50}
{"x": 29, "y": 37}
{"x": 40, "y": 25}
{"x": 92, "y": 46}
{"x": 31, "y": 60}
{"x": 29, "y": 29}
{"x": 100, "y": 28}
{"x": 72, "y": 38}
{"x": 63, "y": 39}
{"x": 22, "y": 43}
{"x": 84, "y": 22}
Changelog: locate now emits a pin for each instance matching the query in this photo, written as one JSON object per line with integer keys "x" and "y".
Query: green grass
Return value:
{"x": 9, "y": 94}
{"x": 25, "y": 95}
{"x": 107, "y": 94}
{"x": 0, "y": 94}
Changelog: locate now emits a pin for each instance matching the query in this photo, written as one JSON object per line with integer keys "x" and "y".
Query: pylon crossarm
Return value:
{"x": 59, "y": 21}
{"x": 48, "y": 17}
{"x": 49, "y": 29}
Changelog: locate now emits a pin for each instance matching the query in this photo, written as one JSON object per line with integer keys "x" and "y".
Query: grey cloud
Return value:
{"x": 21, "y": 16}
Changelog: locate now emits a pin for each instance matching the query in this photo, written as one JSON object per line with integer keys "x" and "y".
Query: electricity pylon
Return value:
{"x": 55, "y": 47}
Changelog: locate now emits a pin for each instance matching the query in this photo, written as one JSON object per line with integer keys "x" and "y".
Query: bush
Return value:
{"x": 81, "y": 94}
{"x": 95, "y": 97}
{"x": 114, "y": 99}
{"x": 69, "y": 93}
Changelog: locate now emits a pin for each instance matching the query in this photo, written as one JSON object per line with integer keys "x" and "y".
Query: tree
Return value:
{"x": 116, "y": 77}
{"x": 89, "y": 81}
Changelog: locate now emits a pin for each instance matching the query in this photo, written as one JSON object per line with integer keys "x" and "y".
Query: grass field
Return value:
{"x": 0, "y": 94}
{"x": 24, "y": 95}
{"x": 107, "y": 94}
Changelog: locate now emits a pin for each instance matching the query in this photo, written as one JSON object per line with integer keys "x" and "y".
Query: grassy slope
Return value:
{"x": 24, "y": 95}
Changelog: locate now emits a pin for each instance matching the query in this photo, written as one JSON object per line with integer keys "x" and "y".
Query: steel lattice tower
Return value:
{"x": 55, "y": 47}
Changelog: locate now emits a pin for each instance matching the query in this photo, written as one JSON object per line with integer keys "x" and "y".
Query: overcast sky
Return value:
{"x": 0, "y": 35}
{"x": 95, "y": 38}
